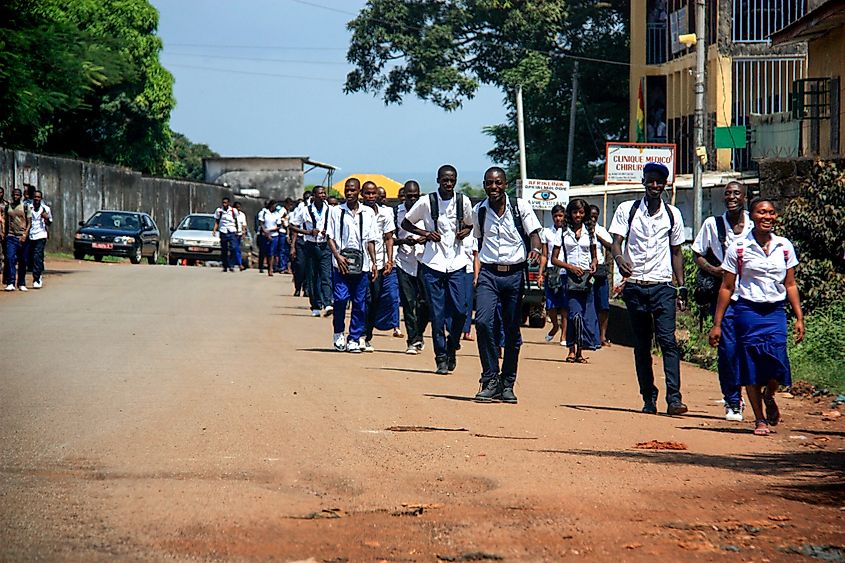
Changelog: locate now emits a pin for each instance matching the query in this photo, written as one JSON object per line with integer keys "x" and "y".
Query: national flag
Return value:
{"x": 640, "y": 115}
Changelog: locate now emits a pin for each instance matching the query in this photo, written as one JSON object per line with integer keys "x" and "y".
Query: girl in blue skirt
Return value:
{"x": 551, "y": 280}
{"x": 575, "y": 254}
{"x": 761, "y": 267}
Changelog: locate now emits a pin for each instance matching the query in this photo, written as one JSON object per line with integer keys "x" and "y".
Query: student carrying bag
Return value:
{"x": 354, "y": 256}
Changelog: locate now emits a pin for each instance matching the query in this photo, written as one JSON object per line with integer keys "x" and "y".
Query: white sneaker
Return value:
{"x": 734, "y": 414}
{"x": 420, "y": 346}
{"x": 315, "y": 312}
{"x": 339, "y": 342}
{"x": 353, "y": 347}
{"x": 365, "y": 345}
{"x": 412, "y": 350}
{"x": 36, "y": 285}
{"x": 328, "y": 311}
{"x": 23, "y": 288}
{"x": 9, "y": 287}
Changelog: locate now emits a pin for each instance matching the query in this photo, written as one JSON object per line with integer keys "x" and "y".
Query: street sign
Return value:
{"x": 624, "y": 162}
{"x": 545, "y": 194}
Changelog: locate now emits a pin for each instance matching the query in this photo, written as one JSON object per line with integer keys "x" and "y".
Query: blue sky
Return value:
{"x": 293, "y": 104}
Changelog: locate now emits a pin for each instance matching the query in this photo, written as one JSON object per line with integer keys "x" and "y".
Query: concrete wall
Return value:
{"x": 75, "y": 189}
{"x": 274, "y": 177}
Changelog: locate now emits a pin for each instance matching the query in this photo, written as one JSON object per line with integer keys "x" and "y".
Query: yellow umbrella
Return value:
{"x": 390, "y": 185}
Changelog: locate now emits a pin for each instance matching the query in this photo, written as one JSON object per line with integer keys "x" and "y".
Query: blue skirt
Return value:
{"x": 556, "y": 299}
{"x": 761, "y": 343}
{"x": 582, "y": 326}
{"x": 387, "y": 317}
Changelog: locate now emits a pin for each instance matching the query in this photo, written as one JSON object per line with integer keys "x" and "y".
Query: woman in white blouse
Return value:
{"x": 550, "y": 277}
{"x": 578, "y": 241}
{"x": 761, "y": 268}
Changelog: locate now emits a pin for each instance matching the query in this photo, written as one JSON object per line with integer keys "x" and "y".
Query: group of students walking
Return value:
{"x": 442, "y": 258}
{"x": 24, "y": 228}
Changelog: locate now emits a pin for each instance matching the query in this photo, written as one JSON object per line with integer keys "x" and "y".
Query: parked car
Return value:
{"x": 191, "y": 240}
{"x": 128, "y": 234}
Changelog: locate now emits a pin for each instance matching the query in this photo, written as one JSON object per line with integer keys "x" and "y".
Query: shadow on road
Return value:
{"x": 744, "y": 431}
{"x": 621, "y": 409}
{"x": 406, "y": 370}
{"x": 60, "y": 272}
{"x": 450, "y": 397}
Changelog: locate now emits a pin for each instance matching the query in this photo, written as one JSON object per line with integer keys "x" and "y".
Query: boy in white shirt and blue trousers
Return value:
{"x": 351, "y": 234}
{"x": 448, "y": 220}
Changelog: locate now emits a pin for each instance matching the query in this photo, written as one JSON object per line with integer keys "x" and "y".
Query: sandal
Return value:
{"x": 772, "y": 410}
{"x": 761, "y": 428}
{"x": 570, "y": 359}
{"x": 581, "y": 360}
{"x": 606, "y": 343}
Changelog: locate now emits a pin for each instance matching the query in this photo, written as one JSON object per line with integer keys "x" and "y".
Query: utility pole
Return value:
{"x": 520, "y": 129}
{"x": 573, "y": 107}
{"x": 700, "y": 153}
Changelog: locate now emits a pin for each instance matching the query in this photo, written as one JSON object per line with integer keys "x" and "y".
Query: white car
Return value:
{"x": 192, "y": 241}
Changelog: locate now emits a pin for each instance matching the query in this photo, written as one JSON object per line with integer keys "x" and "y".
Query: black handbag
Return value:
{"x": 576, "y": 284}
{"x": 354, "y": 256}
{"x": 552, "y": 276}
{"x": 601, "y": 272}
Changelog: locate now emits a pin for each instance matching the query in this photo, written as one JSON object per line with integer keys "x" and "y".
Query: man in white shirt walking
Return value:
{"x": 508, "y": 234}
{"x": 655, "y": 233}
{"x": 351, "y": 234}
{"x": 269, "y": 225}
{"x": 411, "y": 291}
{"x": 226, "y": 222}
{"x": 242, "y": 230}
{"x": 311, "y": 223}
{"x": 447, "y": 219}
{"x": 42, "y": 217}
{"x": 714, "y": 238}
{"x": 385, "y": 228}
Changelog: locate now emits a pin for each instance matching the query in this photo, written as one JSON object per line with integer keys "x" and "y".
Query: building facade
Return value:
{"x": 746, "y": 77}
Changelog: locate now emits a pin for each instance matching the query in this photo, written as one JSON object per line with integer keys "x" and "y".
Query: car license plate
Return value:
{"x": 198, "y": 249}
{"x": 102, "y": 245}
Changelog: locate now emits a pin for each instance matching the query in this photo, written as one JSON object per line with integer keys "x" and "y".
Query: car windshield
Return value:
{"x": 197, "y": 223}
{"x": 114, "y": 220}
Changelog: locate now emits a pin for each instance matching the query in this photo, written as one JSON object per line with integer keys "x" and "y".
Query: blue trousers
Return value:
{"x": 446, "y": 295}
{"x": 319, "y": 267}
{"x": 470, "y": 302}
{"x": 35, "y": 257}
{"x": 15, "y": 266}
{"x": 350, "y": 287}
{"x": 497, "y": 289}
{"x": 651, "y": 310}
{"x": 230, "y": 250}
{"x": 283, "y": 253}
{"x": 728, "y": 360}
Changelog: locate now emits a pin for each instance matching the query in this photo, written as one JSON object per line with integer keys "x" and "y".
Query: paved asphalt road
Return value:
{"x": 152, "y": 412}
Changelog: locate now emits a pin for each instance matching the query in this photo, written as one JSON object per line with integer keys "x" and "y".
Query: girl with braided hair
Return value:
{"x": 577, "y": 240}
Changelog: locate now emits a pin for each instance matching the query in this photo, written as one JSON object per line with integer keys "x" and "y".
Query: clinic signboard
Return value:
{"x": 545, "y": 194}
{"x": 624, "y": 162}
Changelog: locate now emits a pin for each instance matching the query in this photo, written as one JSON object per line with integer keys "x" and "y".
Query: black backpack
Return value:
{"x": 517, "y": 221}
{"x": 707, "y": 286}
{"x": 435, "y": 209}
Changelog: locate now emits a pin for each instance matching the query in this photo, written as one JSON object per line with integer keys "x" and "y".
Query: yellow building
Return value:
{"x": 391, "y": 186}
{"x": 745, "y": 75}
{"x": 819, "y": 97}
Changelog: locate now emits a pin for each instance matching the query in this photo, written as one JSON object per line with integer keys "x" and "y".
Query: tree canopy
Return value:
{"x": 444, "y": 51}
{"x": 82, "y": 78}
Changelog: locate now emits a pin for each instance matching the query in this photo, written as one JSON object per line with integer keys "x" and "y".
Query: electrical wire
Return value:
{"x": 233, "y": 71}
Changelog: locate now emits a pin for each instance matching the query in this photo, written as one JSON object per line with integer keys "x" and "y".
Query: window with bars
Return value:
{"x": 755, "y": 20}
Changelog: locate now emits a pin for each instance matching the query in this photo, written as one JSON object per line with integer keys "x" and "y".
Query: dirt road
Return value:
{"x": 151, "y": 412}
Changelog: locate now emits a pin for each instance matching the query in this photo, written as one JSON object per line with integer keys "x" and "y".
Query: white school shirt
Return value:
{"x": 470, "y": 246}
{"x": 38, "y": 230}
{"x": 446, "y": 255}
{"x": 269, "y": 220}
{"x": 577, "y": 249}
{"x": 384, "y": 224}
{"x": 502, "y": 243}
{"x": 352, "y": 230}
{"x": 228, "y": 219}
{"x": 304, "y": 221}
{"x": 648, "y": 241}
{"x": 242, "y": 222}
{"x": 708, "y": 236}
{"x": 548, "y": 236}
{"x": 406, "y": 256}
{"x": 762, "y": 276}
{"x": 601, "y": 234}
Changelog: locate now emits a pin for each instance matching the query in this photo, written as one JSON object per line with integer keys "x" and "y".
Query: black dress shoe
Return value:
{"x": 508, "y": 396}
{"x": 677, "y": 408}
{"x": 451, "y": 361}
{"x": 442, "y": 365}
{"x": 650, "y": 405}
{"x": 489, "y": 392}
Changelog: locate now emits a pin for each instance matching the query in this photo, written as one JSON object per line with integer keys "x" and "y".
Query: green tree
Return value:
{"x": 82, "y": 78}
{"x": 443, "y": 51}
{"x": 184, "y": 158}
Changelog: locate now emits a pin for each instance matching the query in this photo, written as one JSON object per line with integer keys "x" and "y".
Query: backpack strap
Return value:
{"x": 459, "y": 211}
{"x": 722, "y": 232}
{"x": 435, "y": 207}
{"x": 517, "y": 221}
{"x": 482, "y": 220}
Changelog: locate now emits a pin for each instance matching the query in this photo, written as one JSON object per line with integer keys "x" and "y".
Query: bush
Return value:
{"x": 820, "y": 359}
{"x": 813, "y": 222}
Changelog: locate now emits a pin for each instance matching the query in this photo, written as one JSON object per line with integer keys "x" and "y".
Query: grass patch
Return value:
{"x": 820, "y": 359}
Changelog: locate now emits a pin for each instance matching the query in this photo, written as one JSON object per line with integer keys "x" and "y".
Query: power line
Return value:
{"x": 232, "y": 71}
{"x": 255, "y": 59}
